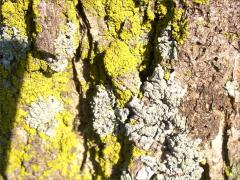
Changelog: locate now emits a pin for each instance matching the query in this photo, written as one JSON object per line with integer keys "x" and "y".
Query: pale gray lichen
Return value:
{"x": 161, "y": 129}
{"x": 104, "y": 118}
{"x": 167, "y": 46}
{"x": 179, "y": 161}
{"x": 13, "y": 45}
{"x": 64, "y": 48}
{"x": 145, "y": 173}
{"x": 232, "y": 88}
{"x": 42, "y": 113}
{"x": 160, "y": 115}
{"x": 157, "y": 127}
{"x": 182, "y": 158}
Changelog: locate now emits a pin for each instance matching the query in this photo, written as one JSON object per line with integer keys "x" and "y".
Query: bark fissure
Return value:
{"x": 226, "y": 128}
{"x": 87, "y": 26}
{"x": 85, "y": 125}
{"x": 225, "y": 155}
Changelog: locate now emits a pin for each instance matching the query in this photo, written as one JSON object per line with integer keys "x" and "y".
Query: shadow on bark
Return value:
{"x": 11, "y": 79}
{"x": 10, "y": 87}
{"x": 85, "y": 111}
{"x": 85, "y": 114}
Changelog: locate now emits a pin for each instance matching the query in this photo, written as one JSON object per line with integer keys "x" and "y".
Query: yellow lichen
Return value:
{"x": 173, "y": 17}
{"x": 180, "y": 28}
{"x": 110, "y": 154}
{"x": 23, "y": 83}
{"x": 30, "y": 91}
{"x": 35, "y": 84}
{"x": 65, "y": 140}
{"x": 16, "y": 156}
{"x": 167, "y": 75}
{"x": 118, "y": 62}
{"x": 133, "y": 121}
{"x": 162, "y": 10}
{"x": 66, "y": 160}
{"x": 14, "y": 14}
{"x": 200, "y": 1}
{"x": 138, "y": 152}
{"x": 124, "y": 20}
{"x": 36, "y": 15}
{"x": 123, "y": 96}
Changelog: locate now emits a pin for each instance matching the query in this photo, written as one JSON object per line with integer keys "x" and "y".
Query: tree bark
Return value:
{"x": 123, "y": 89}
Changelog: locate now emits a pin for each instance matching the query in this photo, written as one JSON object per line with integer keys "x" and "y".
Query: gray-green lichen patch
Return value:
{"x": 104, "y": 118}
{"x": 42, "y": 113}
{"x": 158, "y": 127}
{"x": 155, "y": 125}
{"x": 64, "y": 48}
{"x": 179, "y": 161}
{"x": 13, "y": 45}
{"x": 157, "y": 113}
{"x": 167, "y": 46}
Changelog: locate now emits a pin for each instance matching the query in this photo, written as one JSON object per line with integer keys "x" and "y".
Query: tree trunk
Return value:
{"x": 119, "y": 89}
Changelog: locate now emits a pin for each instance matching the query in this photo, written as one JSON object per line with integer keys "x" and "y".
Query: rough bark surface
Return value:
{"x": 124, "y": 89}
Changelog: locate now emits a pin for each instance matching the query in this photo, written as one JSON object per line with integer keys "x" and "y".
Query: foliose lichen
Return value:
{"x": 160, "y": 129}
{"x": 104, "y": 118}
{"x": 42, "y": 115}
{"x": 167, "y": 46}
{"x": 153, "y": 124}
{"x": 162, "y": 98}
{"x": 65, "y": 48}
